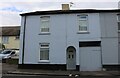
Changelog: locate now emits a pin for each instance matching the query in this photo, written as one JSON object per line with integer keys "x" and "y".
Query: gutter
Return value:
{"x": 70, "y": 11}
{"x": 23, "y": 40}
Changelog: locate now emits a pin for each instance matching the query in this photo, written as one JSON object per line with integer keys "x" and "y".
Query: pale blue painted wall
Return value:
{"x": 63, "y": 33}
{"x": 109, "y": 38}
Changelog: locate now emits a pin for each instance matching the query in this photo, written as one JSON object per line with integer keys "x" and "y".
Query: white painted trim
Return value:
{"x": 44, "y": 33}
{"x": 43, "y": 61}
{"x": 83, "y": 32}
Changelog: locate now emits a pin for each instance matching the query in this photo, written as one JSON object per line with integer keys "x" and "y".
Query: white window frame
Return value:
{"x": 87, "y": 25}
{"x": 5, "y": 39}
{"x": 44, "y": 46}
{"x": 43, "y": 28}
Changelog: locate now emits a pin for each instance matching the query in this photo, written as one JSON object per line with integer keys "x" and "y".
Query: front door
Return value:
{"x": 71, "y": 58}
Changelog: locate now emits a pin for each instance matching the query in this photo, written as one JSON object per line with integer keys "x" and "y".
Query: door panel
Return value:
{"x": 90, "y": 59}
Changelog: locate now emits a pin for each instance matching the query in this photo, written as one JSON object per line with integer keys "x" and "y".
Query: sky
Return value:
{"x": 10, "y": 10}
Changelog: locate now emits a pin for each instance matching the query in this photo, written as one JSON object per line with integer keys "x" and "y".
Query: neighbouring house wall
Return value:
{"x": 63, "y": 33}
{"x": 13, "y": 43}
{"x": 109, "y": 38}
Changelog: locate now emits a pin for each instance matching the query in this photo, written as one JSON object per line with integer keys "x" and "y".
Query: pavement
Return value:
{"x": 12, "y": 69}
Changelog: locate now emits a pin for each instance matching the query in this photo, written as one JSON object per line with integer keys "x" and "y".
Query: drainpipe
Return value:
{"x": 23, "y": 40}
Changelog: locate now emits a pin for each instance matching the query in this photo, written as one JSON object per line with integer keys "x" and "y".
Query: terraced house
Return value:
{"x": 9, "y": 36}
{"x": 84, "y": 40}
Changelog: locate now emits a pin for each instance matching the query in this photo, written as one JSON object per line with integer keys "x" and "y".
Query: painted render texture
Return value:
{"x": 13, "y": 43}
{"x": 63, "y": 33}
{"x": 109, "y": 38}
{"x": 12, "y": 34}
{"x": 102, "y": 27}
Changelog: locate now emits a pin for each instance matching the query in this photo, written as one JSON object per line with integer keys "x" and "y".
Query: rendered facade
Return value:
{"x": 84, "y": 40}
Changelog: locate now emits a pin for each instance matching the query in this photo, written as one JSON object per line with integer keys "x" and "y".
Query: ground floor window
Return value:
{"x": 44, "y": 51}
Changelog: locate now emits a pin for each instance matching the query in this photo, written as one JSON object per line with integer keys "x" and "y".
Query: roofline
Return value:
{"x": 9, "y": 35}
{"x": 9, "y": 26}
{"x": 70, "y": 12}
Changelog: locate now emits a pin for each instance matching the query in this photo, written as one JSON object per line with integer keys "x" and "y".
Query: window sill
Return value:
{"x": 44, "y": 33}
{"x": 43, "y": 61}
{"x": 83, "y": 32}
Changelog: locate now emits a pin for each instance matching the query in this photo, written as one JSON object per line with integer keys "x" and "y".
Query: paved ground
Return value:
{"x": 8, "y": 67}
{"x": 12, "y": 70}
{"x": 45, "y": 76}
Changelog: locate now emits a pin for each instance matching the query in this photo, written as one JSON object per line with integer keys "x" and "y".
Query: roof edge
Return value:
{"x": 69, "y": 11}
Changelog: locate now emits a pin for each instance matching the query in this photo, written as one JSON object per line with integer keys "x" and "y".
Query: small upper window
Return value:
{"x": 83, "y": 23}
{"x": 45, "y": 23}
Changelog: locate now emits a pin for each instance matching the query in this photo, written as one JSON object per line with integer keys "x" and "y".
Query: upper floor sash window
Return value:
{"x": 45, "y": 24}
{"x": 83, "y": 23}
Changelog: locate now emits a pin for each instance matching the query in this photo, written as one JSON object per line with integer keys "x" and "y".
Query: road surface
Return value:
{"x": 44, "y": 76}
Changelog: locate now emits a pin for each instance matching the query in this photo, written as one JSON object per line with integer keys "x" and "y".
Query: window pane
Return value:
{"x": 83, "y": 23}
{"x": 44, "y": 29}
{"x": 5, "y": 40}
{"x": 82, "y": 28}
{"x": 45, "y": 24}
{"x": 44, "y": 54}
